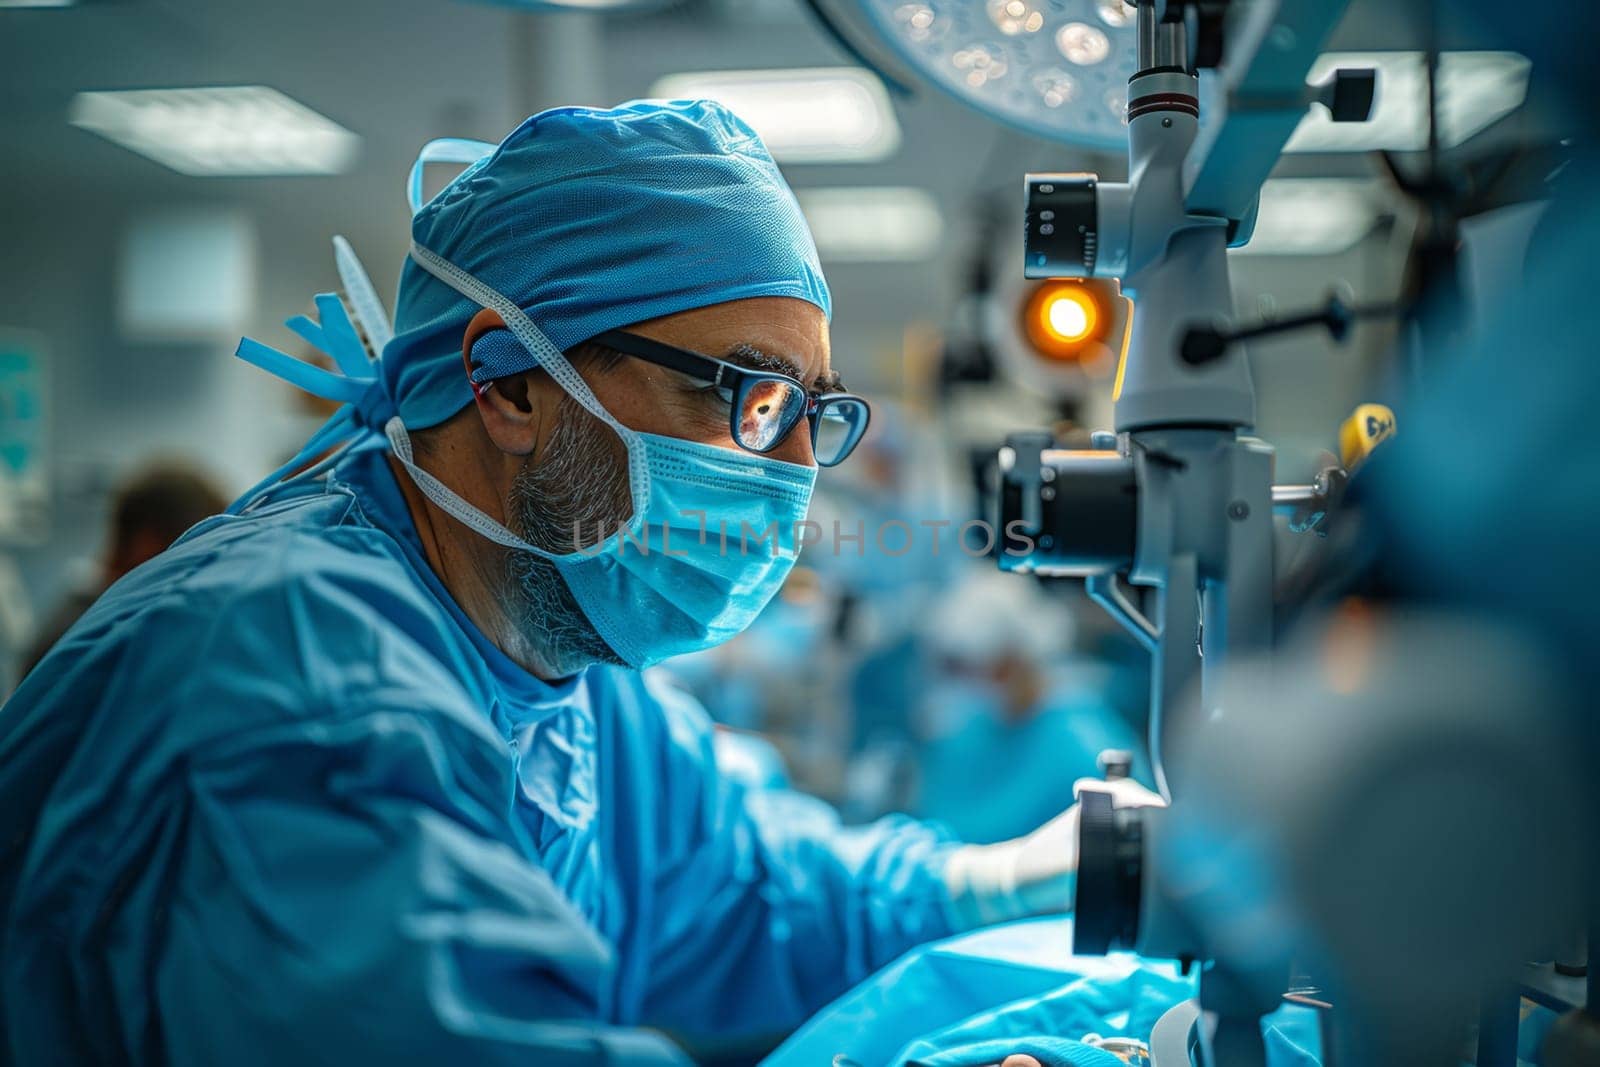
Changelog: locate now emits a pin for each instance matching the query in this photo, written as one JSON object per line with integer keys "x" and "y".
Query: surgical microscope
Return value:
{"x": 1352, "y": 801}
{"x": 1371, "y": 798}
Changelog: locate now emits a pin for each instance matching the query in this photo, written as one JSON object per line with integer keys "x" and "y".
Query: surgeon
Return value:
{"x": 364, "y": 772}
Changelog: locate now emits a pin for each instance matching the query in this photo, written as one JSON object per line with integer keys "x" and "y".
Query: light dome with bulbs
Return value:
{"x": 1056, "y": 68}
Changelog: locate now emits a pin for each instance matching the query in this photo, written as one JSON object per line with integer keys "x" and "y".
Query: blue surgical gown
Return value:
{"x": 274, "y": 799}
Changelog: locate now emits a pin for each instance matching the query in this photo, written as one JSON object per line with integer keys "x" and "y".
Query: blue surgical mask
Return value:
{"x": 711, "y": 538}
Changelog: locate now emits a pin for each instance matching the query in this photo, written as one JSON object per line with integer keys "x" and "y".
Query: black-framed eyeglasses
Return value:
{"x": 764, "y": 406}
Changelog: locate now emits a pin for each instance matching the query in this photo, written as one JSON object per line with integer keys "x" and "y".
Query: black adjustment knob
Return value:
{"x": 1110, "y": 875}
{"x": 1060, "y": 239}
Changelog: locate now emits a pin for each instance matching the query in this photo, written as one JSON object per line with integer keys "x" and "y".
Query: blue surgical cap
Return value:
{"x": 591, "y": 220}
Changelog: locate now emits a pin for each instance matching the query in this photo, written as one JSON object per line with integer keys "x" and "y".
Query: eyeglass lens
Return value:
{"x": 840, "y": 425}
{"x": 768, "y": 409}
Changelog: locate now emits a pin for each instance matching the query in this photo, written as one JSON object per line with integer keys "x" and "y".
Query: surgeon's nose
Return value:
{"x": 796, "y": 448}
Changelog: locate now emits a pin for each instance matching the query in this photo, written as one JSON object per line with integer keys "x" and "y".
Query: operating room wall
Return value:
{"x": 116, "y": 402}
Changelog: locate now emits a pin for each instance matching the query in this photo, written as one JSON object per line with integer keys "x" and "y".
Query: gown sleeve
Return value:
{"x": 342, "y": 892}
{"x": 767, "y": 907}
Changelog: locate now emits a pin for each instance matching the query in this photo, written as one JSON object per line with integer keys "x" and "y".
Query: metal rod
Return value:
{"x": 1172, "y": 45}
{"x": 1145, "y": 28}
{"x": 1290, "y": 495}
{"x": 1108, "y": 591}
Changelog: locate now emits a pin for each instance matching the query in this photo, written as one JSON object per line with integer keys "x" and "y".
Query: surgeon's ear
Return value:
{"x": 514, "y": 408}
{"x": 519, "y": 410}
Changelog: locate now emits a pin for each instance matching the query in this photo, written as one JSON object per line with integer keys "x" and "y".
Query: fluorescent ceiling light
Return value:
{"x": 225, "y": 130}
{"x": 37, "y": 3}
{"x": 1475, "y": 90}
{"x": 811, "y": 115}
{"x": 1312, "y": 216}
{"x": 877, "y": 224}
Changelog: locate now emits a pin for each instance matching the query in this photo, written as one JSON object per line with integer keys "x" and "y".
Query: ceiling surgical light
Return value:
{"x": 1114, "y": 12}
{"x": 877, "y": 224}
{"x": 918, "y": 22}
{"x": 1475, "y": 90}
{"x": 981, "y": 64}
{"x": 805, "y": 115}
{"x": 1056, "y": 68}
{"x": 228, "y": 130}
{"x": 1012, "y": 17}
{"x": 1055, "y": 87}
{"x": 1082, "y": 43}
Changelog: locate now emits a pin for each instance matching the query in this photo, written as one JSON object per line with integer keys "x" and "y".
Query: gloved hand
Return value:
{"x": 1032, "y": 875}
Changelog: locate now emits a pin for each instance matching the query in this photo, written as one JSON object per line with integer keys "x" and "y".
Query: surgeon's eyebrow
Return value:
{"x": 748, "y": 355}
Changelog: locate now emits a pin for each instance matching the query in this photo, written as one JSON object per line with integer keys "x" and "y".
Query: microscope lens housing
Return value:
{"x": 1077, "y": 510}
{"x": 1061, "y": 238}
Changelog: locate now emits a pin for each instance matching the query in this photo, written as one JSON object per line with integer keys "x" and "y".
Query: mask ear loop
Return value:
{"x": 447, "y": 499}
{"x": 550, "y": 359}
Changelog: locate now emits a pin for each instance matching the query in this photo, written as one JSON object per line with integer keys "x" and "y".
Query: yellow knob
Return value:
{"x": 1369, "y": 425}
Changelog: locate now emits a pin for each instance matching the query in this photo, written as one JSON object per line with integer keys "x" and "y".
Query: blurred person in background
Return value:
{"x": 1011, "y": 717}
{"x": 901, "y": 499}
{"x": 149, "y": 511}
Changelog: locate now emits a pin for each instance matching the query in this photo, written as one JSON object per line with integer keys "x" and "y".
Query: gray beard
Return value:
{"x": 569, "y": 498}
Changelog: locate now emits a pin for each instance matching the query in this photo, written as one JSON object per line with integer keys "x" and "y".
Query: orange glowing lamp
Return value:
{"x": 1064, "y": 321}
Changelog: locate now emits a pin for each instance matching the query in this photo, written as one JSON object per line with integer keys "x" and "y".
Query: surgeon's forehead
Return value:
{"x": 781, "y": 334}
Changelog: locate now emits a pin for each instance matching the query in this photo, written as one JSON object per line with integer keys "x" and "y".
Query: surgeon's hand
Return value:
{"x": 1019, "y": 1061}
{"x": 1033, "y": 875}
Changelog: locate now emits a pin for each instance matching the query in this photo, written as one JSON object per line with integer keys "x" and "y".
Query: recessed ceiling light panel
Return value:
{"x": 229, "y": 130}
{"x": 875, "y": 224}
